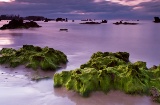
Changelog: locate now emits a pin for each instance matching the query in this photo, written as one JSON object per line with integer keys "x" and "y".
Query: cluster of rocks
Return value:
{"x": 124, "y": 23}
{"x": 62, "y": 20}
{"x": 14, "y": 24}
{"x": 93, "y": 22}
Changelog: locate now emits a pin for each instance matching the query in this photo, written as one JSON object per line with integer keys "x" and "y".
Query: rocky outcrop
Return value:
{"x": 104, "y": 21}
{"x": 33, "y": 57}
{"x": 14, "y": 24}
{"x": 156, "y": 20}
{"x": 90, "y": 23}
{"x": 61, "y": 20}
{"x": 124, "y": 23}
{"x": 111, "y": 71}
{"x": 63, "y": 29}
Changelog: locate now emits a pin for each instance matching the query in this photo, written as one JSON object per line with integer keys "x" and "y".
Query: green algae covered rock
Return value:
{"x": 33, "y": 57}
{"x": 110, "y": 71}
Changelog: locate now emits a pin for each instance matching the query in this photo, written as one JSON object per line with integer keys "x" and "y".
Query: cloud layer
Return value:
{"x": 110, "y": 9}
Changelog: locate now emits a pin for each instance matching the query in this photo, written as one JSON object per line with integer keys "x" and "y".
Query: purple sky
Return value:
{"x": 78, "y": 9}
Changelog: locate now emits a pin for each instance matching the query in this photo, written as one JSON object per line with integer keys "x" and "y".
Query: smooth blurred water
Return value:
{"x": 79, "y": 43}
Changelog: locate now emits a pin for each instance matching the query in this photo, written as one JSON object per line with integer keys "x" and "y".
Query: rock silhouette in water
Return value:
{"x": 104, "y": 21}
{"x": 156, "y": 20}
{"x": 124, "y": 23}
{"x": 14, "y": 24}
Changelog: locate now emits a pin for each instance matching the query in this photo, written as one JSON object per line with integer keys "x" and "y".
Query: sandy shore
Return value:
{"x": 16, "y": 86}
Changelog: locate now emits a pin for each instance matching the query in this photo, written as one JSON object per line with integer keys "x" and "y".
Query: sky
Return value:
{"x": 82, "y": 9}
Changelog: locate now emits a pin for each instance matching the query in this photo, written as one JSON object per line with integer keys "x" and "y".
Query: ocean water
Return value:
{"x": 142, "y": 41}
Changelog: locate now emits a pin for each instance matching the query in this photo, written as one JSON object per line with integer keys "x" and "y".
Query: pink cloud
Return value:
{"x": 128, "y": 2}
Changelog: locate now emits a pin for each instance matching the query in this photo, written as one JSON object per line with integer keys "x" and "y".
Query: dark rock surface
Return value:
{"x": 90, "y": 23}
{"x": 156, "y": 20}
{"x": 14, "y": 24}
{"x": 124, "y": 23}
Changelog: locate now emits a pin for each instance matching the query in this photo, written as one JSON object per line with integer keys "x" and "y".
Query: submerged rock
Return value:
{"x": 110, "y": 71}
{"x": 33, "y": 57}
{"x": 14, "y": 24}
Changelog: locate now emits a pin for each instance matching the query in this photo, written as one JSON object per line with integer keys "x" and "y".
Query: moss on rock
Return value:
{"x": 33, "y": 57}
{"x": 107, "y": 71}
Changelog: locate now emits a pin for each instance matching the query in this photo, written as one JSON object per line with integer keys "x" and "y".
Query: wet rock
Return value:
{"x": 39, "y": 78}
{"x": 33, "y": 57}
{"x": 155, "y": 94}
{"x": 108, "y": 71}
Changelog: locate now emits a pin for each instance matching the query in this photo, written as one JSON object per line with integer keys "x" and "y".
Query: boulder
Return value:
{"x": 107, "y": 71}
{"x": 33, "y": 57}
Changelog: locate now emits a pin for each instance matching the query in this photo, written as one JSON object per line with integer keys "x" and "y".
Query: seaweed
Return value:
{"x": 111, "y": 71}
{"x": 33, "y": 57}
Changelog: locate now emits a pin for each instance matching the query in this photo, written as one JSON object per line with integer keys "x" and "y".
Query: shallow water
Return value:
{"x": 79, "y": 43}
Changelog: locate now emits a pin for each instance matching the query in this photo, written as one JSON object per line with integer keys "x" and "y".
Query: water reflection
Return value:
{"x": 6, "y": 40}
{"x": 16, "y": 34}
{"x": 99, "y": 98}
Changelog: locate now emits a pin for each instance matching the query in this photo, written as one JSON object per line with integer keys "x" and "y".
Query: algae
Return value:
{"x": 33, "y": 57}
{"x": 111, "y": 71}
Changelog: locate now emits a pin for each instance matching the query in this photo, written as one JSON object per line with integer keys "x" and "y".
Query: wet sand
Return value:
{"x": 16, "y": 88}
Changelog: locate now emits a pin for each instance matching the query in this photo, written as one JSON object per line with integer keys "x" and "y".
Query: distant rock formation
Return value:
{"x": 61, "y": 19}
{"x": 34, "y": 18}
{"x": 46, "y": 20}
{"x": 104, "y": 21}
{"x": 63, "y": 29}
{"x": 156, "y": 20}
{"x": 90, "y": 23}
{"x": 14, "y": 24}
{"x": 124, "y": 23}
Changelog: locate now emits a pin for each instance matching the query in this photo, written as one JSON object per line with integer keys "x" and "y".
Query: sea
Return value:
{"x": 141, "y": 41}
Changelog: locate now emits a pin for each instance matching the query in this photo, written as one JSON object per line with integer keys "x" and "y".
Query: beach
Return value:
{"x": 78, "y": 43}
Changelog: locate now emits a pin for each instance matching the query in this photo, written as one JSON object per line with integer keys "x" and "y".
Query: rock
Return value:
{"x": 31, "y": 24}
{"x": 33, "y": 57}
{"x": 14, "y": 24}
{"x": 104, "y": 21}
{"x": 64, "y": 29}
{"x": 61, "y": 19}
{"x": 46, "y": 20}
{"x": 90, "y": 23}
{"x": 104, "y": 72}
{"x": 124, "y": 23}
{"x": 155, "y": 94}
{"x": 156, "y": 20}
{"x": 111, "y": 71}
